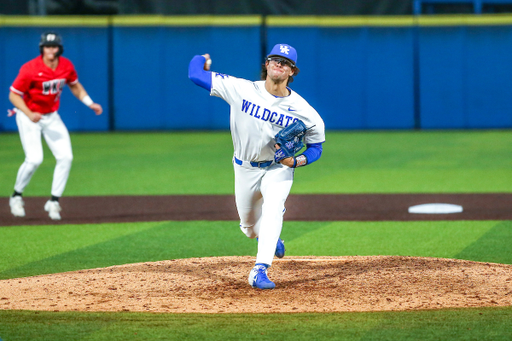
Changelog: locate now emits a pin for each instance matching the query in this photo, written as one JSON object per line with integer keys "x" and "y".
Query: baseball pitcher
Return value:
{"x": 35, "y": 94}
{"x": 269, "y": 124}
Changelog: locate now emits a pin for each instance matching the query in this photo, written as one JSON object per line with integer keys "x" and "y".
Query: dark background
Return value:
{"x": 229, "y": 7}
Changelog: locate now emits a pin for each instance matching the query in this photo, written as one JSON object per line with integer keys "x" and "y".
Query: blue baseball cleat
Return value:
{"x": 280, "y": 250}
{"x": 258, "y": 278}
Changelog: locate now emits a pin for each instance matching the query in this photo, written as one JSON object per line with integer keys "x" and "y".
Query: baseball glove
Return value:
{"x": 290, "y": 140}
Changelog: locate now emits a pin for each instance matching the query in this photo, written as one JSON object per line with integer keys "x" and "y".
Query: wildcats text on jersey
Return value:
{"x": 265, "y": 114}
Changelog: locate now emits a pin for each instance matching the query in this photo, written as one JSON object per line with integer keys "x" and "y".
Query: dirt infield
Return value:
{"x": 303, "y": 284}
{"x": 322, "y": 207}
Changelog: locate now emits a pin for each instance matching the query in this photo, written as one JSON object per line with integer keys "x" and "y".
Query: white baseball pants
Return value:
{"x": 260, "y": 195}
{"x": 57, "y": 137}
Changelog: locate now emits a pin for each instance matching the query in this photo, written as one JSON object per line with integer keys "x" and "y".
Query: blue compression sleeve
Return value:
{"x": 198, "y": 75}
{"x": 313, "y": 152}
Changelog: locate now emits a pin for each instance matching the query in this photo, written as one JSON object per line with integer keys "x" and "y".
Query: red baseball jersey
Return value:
{"x": 41, "y": 86}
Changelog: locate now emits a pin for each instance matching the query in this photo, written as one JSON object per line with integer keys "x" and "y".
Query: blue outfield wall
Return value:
{"x": 466, "y": 77}
{"x": 358, "y": 72}
{"x": 355, "y": 77}
{"x": 152, "y": 89}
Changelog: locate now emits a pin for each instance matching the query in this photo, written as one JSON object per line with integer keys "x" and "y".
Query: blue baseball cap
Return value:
{"x": 286, "y": 51}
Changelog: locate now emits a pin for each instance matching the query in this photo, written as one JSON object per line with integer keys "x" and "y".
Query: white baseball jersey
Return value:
{"x": 257, "y": 116}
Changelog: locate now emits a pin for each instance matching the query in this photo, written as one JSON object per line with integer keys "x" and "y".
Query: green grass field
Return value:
{"x": 200, "y": 163}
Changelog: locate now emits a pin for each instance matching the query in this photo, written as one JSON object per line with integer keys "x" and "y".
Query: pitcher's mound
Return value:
{"x": 303, "y": 284}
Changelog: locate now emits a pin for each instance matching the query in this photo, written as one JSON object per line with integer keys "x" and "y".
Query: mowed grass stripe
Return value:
{"x": 26, "y": 244}
{"x": 200, "y": 163}
{"x": 93, "y": 246}
{"x": 450, "y": 324}
{"x": 440, "y": 239}
{"x": 152, "y": 242}
{"x": 494, "y": 246}
{"x": 383, "y": 181}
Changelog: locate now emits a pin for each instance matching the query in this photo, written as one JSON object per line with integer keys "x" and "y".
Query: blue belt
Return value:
{"x": 262, "y": 164}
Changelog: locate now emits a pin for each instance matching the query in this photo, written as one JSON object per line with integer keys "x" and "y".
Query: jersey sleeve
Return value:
{"x": 72, "y": 75}
{"x": 22, "y": 82}
{"x": 226, "y": 87}
{"x": 317, "y": 133}
{"x": 198, "y": 75}
{"x": 313, "y": 152}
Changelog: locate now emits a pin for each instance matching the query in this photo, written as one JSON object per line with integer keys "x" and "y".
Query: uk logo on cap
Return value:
{"x": 284, "y": 50}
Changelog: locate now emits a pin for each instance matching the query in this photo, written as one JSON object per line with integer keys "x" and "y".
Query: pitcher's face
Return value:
{"x": 278, "y": 70}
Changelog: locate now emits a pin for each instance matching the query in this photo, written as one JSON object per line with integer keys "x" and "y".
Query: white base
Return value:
{"x": 435, "y": 208}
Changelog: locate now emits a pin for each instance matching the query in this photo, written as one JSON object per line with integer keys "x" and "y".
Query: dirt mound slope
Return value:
{"x": 303, "y": 284}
